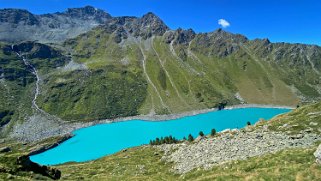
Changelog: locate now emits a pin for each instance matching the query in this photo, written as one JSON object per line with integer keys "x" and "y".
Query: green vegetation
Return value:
{"x": 16, "y": 83}
{"x": 205, "y": 74}
{"x": 201, "y": 133}
{"x": 190, "y": 138}
{"x": 109, "y": 92}
{"x": 5, "y": 117}
{"x": 304, "y": 118}
{"x": 213, "y": 132}
{"x": 12, "y": 169}
{"x": 165, "y": 140}
{"x": 182, "y": 81}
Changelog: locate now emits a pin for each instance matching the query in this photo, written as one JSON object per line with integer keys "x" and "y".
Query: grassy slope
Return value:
{"x": 15, "y": 88}
{"x": 107, "y": 92}
{"x": 17, "y": 82}
{"x": 182, "y": 77}
{"x": 183, "y": 83}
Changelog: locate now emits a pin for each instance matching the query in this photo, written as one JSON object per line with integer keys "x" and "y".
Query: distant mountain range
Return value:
{"x": 89, "y": 65}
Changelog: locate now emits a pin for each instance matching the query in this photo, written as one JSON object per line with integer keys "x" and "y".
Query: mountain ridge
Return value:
{"x": 101, "y": 16}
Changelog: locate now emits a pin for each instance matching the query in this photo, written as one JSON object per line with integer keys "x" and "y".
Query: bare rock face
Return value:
{"x": 180, "y": 36}
{"x": 16, "y": 16}
{"x": 150, "y": 24}
{"x": 20, "y": 25}
{"x": 218, "y": 43}
{"x": 317, "y": 154}
{"x": 145, "y": 27}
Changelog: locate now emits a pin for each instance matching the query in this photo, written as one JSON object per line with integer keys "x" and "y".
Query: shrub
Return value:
{"x": 190, "y": 138}
{"x": 166, "y": 140}
{"x": 213, "y": 132}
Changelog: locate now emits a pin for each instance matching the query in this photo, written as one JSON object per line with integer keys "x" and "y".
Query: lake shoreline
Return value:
{"x": 162, "y": 118}
{"x": 168, "y": 117}
{"x": 31, "y": 132}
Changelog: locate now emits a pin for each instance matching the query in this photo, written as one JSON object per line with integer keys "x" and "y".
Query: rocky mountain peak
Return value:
{"x": 220, "y": 34}
{"x": 150, "y": 17}
{"x": 150, "y": 24}
{"x": 266, "y": 41}
{"x": 88, "y": 12}
{"x": 16, "y": 16}
{"x": 219, "y": 30}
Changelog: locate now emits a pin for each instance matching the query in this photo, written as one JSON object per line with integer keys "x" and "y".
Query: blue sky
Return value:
{"x": 296, "y": 21}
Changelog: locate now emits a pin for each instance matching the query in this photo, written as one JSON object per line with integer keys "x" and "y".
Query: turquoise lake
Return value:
{"x": 105, "y": 139}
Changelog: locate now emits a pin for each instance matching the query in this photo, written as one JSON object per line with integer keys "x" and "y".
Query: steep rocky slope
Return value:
{"x": 21, "y": 25}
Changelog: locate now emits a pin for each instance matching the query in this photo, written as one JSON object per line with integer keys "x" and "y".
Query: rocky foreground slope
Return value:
{"x": 231, "y": 146}
{"x": 298, "y": 129}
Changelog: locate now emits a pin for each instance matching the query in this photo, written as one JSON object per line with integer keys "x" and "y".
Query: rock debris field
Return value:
{"x": 234, "y": 145}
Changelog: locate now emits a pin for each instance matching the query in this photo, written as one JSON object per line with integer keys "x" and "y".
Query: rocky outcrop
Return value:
{"x": 48, "y": 147}
{"x": 27, "y": 165}
{"x": 180, "y": 36}
{"x": 235, "y": 145}
{"x": 218, "y": 43}
{"x": 145, "y": 27}
{"x": 317, "y": 154}
{"x": 36, "y": 50}
{"x": 51, "y": 58}
{"x": 87, "y": 13}
{"x": 5, "y": 149}
{"x": 150, "y": 25}
{"x": 21, "y": 25}
{"x": 18, "y": 17}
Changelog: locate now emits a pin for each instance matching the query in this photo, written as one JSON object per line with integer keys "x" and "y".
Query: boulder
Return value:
{"x": 5, "y": 149}
{"x": 317, "y": 154}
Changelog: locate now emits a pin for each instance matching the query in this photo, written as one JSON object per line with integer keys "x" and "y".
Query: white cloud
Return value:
{"x": 224, "y": 23}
